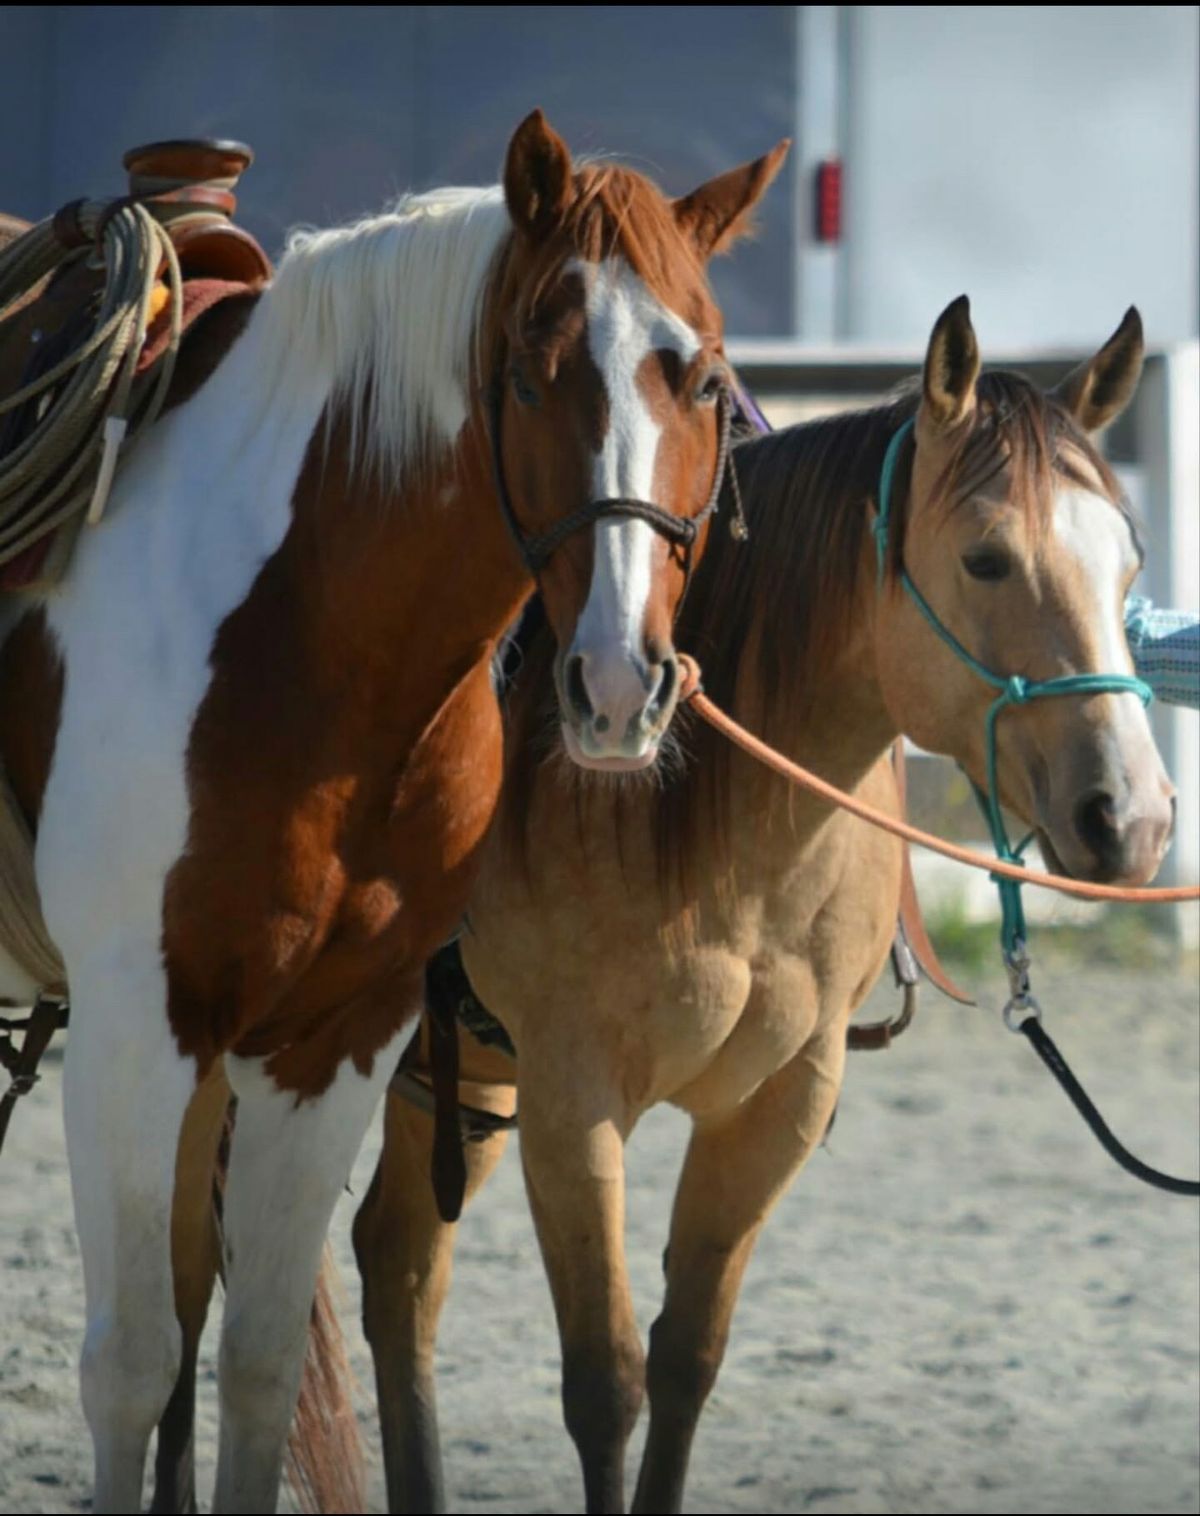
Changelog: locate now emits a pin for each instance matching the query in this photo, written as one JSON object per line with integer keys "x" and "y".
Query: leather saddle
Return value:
{"x": 194, "y": 181}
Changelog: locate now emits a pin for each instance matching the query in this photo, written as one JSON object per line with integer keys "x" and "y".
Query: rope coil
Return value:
{"x": 91, "y": 404}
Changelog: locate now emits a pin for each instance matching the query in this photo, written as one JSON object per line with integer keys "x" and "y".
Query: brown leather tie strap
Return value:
{"x": 475, "y": 1123}
{"x": 996, "y": 867}
{"x": 874, "y": 1036}
{"x": 911, "y": 921}
{"x": 48, "y": 1014}
{"x": 449, "y": 1161}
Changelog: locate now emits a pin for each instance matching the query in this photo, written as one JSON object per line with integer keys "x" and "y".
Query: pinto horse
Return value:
{"x": 707, "y": 941}
{"x": 255, "y": 734}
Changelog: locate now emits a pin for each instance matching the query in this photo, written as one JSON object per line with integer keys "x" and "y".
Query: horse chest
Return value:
{"x": 302, "y": 911}
{"x": 759, "y": 1018}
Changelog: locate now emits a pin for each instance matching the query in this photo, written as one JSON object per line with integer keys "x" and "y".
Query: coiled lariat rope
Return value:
{"x": 91, "y": 403}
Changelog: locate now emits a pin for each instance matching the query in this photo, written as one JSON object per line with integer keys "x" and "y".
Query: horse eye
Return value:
{"x": 712, "y": 388}
{"x": 524, "y": 391}
{"x": 987, "y": 564}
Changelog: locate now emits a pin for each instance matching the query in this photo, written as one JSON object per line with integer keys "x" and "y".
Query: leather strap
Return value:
{"x": 475, "y": 1123}
{"x": 536, "y": 551}
{"x": 428, "y": 1078}
{"x": 874, "y": 1036}
{"x": 449, "y": 1162}
{"x": 67, "y": 230}
{"x": 48, "y": 1014}
{"x": 911, "y": 922}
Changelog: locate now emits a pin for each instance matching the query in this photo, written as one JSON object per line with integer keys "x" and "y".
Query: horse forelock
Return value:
{"x": 618, "y": 213}
{"x": 1030, "y": 436}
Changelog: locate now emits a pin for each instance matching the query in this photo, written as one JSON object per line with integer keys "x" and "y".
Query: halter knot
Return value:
{"x": 1016, "y": 690}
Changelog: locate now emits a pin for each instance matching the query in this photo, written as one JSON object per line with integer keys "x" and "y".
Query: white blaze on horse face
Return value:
{"x": 625, "y": 324}
{"x": 1099, "y": 539}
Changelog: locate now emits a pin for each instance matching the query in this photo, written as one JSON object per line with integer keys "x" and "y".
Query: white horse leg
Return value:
{"x": 288, "y": 1165}
{"x": 125, "y": 1089}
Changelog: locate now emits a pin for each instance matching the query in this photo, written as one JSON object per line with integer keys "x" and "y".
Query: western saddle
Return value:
{"x": 58, "y": 291}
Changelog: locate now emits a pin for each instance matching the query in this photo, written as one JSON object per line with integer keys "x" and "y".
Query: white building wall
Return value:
{"x": 1043, "y": 159}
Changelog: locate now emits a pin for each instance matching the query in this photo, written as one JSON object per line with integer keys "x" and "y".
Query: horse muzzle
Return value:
{"x": 616, "y": 708}
{"x": 1110, "y": 837}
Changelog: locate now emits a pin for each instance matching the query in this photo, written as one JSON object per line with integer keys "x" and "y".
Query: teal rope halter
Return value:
{"x": 1022, "y": 1013}
{"x": 1014, "y": 690}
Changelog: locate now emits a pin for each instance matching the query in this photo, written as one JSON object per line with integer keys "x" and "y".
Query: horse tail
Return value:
{"x": 324, "y": 1464}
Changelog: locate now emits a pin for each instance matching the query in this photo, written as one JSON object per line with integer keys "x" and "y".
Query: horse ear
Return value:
{"x": 537, "y": 177}
{"x": 718, "y": 213}
{"x": 1098, "y": 391}
{"x": 951, "y": 367}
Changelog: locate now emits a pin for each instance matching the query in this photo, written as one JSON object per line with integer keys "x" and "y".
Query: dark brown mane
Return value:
{"x": 809, "y": 494}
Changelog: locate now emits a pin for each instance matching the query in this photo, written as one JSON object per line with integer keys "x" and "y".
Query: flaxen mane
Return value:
{"x": 392, "y": 310}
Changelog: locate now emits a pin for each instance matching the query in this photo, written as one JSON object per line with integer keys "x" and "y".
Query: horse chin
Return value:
{"x": 1053, "y": 862}
{"x": 617, "y": 764}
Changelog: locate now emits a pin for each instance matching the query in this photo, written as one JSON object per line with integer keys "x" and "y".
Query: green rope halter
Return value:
{"x": 1014, "y": 690}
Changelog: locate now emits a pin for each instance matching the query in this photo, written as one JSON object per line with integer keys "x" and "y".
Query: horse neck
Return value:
{"x": 409, "y": 584}
{"x": 829, "y": 716}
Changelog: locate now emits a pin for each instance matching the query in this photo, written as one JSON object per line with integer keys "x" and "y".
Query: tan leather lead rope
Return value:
{"x": 806, "y": 779}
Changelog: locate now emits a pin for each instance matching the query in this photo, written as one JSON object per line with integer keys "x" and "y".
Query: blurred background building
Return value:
{"x": 1044, "y": 159}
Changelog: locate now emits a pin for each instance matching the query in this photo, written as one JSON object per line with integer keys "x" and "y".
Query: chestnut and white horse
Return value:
{"x": 254, "y": 730}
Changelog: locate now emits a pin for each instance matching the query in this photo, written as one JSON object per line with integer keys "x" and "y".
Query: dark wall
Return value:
{"x": 346, "y": 106}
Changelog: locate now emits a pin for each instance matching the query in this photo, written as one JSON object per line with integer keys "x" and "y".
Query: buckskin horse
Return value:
{"x": 257, "y": 736}
{"x": 706, "y": 942}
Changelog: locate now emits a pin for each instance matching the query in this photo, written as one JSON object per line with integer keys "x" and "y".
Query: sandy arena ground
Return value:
{"x": 962, "y": 1305}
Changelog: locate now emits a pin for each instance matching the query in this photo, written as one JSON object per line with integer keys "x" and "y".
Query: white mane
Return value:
{"x": 388, "y": 309}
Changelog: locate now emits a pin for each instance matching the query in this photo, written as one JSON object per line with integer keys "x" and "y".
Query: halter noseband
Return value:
{"x": 536, "y": 551}
{"x": 1014, "y": 690}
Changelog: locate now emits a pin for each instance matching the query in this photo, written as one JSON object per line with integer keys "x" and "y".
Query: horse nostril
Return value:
{"x": 577, "y": 695}
{"x": 1096, "y": 823}
{"x": 668, "y": 683}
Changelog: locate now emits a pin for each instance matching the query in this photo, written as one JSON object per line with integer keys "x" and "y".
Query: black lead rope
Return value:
{"x": 537, "y": 551}
{"x": 1043, "y": 1045}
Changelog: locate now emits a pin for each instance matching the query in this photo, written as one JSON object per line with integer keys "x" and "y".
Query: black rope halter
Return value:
{"x": 536, "y": 551}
